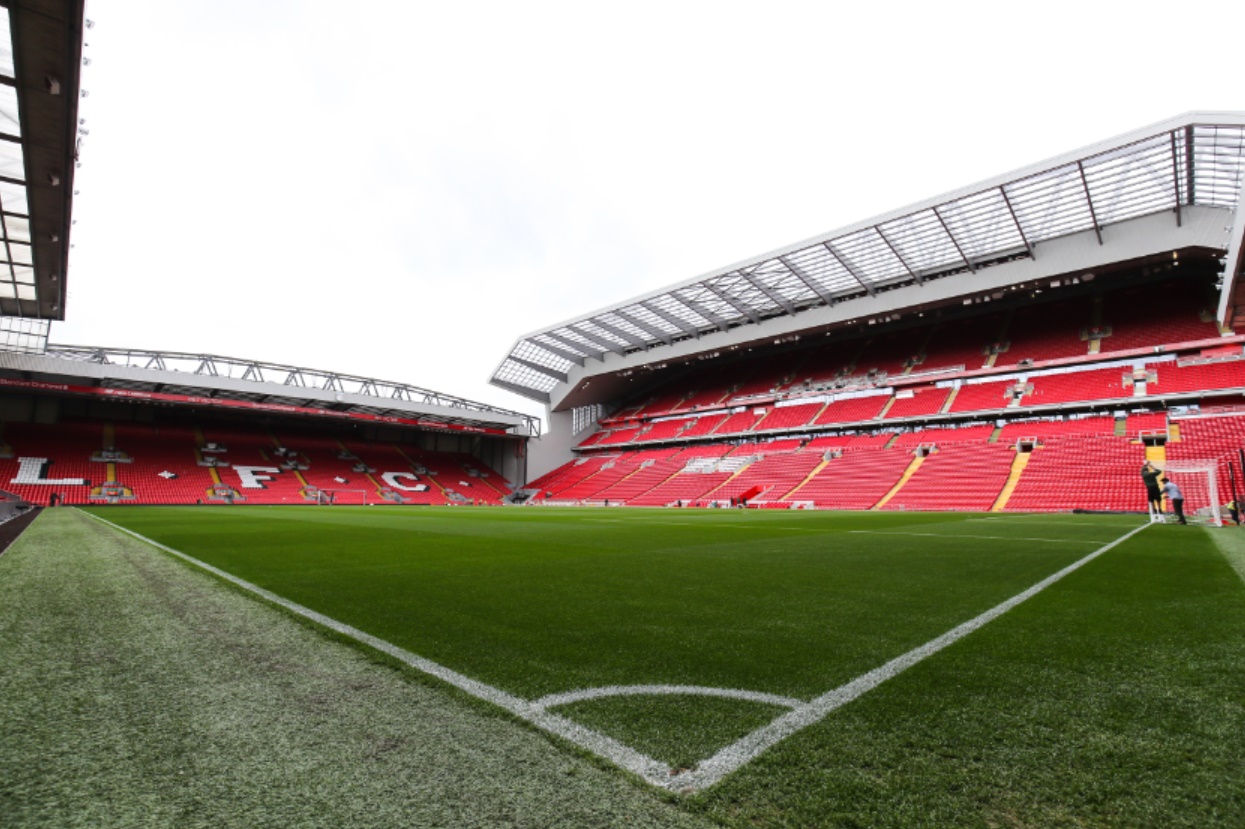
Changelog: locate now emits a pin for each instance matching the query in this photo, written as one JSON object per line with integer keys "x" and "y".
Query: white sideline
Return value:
{"x": 746, "y": 749}
{"x": 599, "y": 744}
{"x": 986, "y": 537}
{"x": 708, "y": 772}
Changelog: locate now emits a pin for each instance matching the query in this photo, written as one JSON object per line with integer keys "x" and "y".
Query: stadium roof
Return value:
{"x": 210, "y": 380}
{"x": 1193, "y": 160}
{"x": 40, "y": 58}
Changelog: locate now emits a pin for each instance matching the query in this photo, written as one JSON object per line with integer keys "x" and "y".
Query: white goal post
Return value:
{"x": 1199, "y": 483}
{"x": 328, "y": 497}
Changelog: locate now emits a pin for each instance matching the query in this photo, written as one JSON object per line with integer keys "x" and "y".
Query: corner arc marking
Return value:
{"x": 606, "y": 691}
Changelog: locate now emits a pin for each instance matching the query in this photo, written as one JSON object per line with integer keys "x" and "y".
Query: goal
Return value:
{"x": 334, "y": 497}
{"x": 1199, "y": 483}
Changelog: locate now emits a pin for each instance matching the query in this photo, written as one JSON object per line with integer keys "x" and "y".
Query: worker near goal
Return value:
{"x": 1176, "y": 497}
{"x": 1154, "y": 495}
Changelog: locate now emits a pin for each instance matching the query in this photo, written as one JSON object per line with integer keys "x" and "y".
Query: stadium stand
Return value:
{"x": 960, "y": 476}
{"x": 85, "y": 462}
{"x": 856, "y": 480}
{"x": 1100, "y": 384}
{"x": 919, "y": 402}
{"x": 1082, "y": 472}
{"x": 1172, "y": 377}
{"x": 1047, "y": 332}
{"x": 976, "y": 397}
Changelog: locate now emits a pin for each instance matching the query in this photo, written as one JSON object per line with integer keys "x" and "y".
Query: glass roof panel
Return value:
{"x": 521, "y": 375}
{"x": 1051, "y": 204}
{"x": 13, "y": 198}
{"x": 705, "y": 303}
{"x": 1218, "y": 155}
{"x": 20, "y": 254}
{"x": 1133, "y": 181}
{"x": 11, "y": 163}
{"x": 576, "y": 337}
{"x": 25, "y": 291}
{"x": 817, "y": 265}
{"x": 17, "y": 228}
{"x": 533, "y": 353}
{"x": 7, "y": 289}
{"x": 589, "y": 327}
{"x": 6, "y": 45}
{"x": 778, "y": 278}
{"x": 669, "y": 304}
{"x": 982, "y": 225}
{"x": 870, "y": 256}
{"x": 650, "y": 319}
{"x": 545, "y": 339}
{"x": 612, "y": 319}
{"x": 9, "y": 122}
{"x": 923, "y": 242}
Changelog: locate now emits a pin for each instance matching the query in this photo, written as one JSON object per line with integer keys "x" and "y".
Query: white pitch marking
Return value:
{"x": 710, "y": 524}
{"x": 749, "y": 747}
{"x": 987, "y": 537}
{"x": 1020, "y": 519}
{"x": 599, "y": 744}
{"x": 706, "y": 773}
{"x": 555, "y": 700}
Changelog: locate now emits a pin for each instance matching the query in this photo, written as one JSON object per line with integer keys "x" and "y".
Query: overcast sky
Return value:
{"x": 401, "y": 189}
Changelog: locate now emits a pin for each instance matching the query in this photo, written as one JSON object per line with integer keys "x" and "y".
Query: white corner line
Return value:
{"x": 621, "y": 755}
{"x": 708, "y": 772}
{"x": 743, "y": 751}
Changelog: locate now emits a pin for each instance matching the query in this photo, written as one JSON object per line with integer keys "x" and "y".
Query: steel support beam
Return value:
{"x": 522, "y": 391}
{"x": 702, "y": 310}
{"x": 1093, "y": 215}
{"x": 682, "y": 325}
{"x": 1019, "y": 228}
{"x": 808, "y": 280}
{"x": 1176, "y": 179}
{"x": 577, "y": 359}
{"x": 618, "y": 332}
{"x": 947, "y": 230}
{"x": 644, "y": 326}
{"x": 1190, "y": 192}
{"x": 777, "y": 298}
{"x": 608, "y": 345}
{"x": 899, "y": 256}
{"x": 537, "y": 367}
{"x": 746, "y": 310}
{"x": 575, "y": 344}
{"x": 842, "y": 260}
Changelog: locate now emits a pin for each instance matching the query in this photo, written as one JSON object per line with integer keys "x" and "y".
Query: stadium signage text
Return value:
{"x": 220, "y": 403}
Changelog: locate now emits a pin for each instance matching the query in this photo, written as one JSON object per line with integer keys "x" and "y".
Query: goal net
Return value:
{"x": 341, "y": 497}
{"x": 1199, "y": 483}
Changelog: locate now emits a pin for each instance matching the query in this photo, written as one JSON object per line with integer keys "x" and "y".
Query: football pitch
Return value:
{"x": 776, "y": 668}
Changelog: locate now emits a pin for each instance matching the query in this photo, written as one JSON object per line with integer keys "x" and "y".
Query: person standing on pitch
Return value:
{"x": 1150, "y": 476}
{"x": 1177, "y": 499}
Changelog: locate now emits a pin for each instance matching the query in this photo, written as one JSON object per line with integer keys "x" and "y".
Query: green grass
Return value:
{"x": 138, "y": 692}
{"x": 1113, "y": 698}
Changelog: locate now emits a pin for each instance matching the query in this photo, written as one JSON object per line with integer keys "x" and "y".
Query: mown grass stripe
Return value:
{"x": 599, "y": 744}
{"x": 748, "y": 748}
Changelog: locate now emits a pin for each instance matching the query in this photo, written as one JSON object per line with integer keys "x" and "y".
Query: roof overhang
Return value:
{"x": 1180, "y": 173}
{"x": 1150, "y": 238}
{"x": 210, "y": 380}
{"x": 39, "y": 94}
